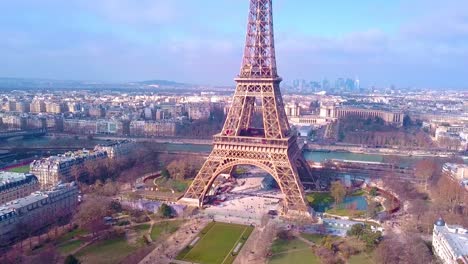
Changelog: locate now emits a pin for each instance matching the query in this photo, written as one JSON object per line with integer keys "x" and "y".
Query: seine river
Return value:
{"x": 317, "y": 156}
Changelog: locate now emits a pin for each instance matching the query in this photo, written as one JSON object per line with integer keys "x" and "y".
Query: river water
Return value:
{"x": 310, "y": 155}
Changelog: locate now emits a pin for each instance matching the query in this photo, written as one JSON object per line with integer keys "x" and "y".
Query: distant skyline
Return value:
{"x": 408, "y": 43}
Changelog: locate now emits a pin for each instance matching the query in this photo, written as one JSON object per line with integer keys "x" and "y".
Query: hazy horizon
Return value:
{"x": 422, "y": 44}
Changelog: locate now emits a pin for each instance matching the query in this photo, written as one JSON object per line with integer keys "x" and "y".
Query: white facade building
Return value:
{"x": 450, "y": 243}
{"x": 36, "y": 211}
{"x": 16, "y": 185}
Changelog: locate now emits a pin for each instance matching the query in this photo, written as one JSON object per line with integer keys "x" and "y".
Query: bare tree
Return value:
{"x": 338, "y": 191}
{"x": 425, "y": 169}
{"x": 91, "y": 213}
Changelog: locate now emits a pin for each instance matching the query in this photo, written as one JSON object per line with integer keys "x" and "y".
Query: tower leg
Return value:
{"x": 279, "y": 166}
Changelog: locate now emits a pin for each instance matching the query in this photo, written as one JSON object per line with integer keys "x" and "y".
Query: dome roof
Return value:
{"x": 440, "y": 222}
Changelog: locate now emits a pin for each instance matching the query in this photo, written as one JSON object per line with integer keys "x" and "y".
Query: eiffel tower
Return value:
{"x": 272, "y": 148}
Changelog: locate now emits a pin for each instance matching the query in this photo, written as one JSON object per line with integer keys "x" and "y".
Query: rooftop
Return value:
{"x": 69, "y": 156}
{"x": 13, "y": 178}
{"x": 11, "y": 207}
{"x": 456, "y": 236}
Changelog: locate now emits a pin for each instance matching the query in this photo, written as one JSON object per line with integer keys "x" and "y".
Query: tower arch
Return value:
{"x": 273, "y": 147}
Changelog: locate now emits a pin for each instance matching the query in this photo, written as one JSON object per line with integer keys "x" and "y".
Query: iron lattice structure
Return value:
{"x": 272, "y": 148}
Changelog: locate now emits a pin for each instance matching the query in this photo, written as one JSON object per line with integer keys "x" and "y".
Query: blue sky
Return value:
{"x": 417, "y": 43}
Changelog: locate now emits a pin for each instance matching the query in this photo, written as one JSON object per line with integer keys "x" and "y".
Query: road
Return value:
{"x": 256, "y": 248}
{"x": 168, "y": 249}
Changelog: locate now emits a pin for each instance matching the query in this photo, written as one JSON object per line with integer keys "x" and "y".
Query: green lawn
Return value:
{"x": 362, "y": 258}
{"x": 164, "y": 227}
{"x": 69, "y": 246}
{"x": 108, "y": 251}
{"x": 70, "y": 235}
{"x": 21, "y": 169}
{"x": 346, "y": 212}
{"x": 316, "y": 238}
{"x": 142, "y": 229}
{"x": 292, "y": 251}
{"x": 320, "y": 201}
{"x": 359, "y": 192}
{"x": 217, "y": 242}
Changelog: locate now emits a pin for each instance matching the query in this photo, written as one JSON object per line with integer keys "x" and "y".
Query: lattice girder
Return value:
{"x": 259, "y": 53}
{"x": 275, "y": 122}
{"x": 277, "y": 164}
{"x": 272, "y": 149}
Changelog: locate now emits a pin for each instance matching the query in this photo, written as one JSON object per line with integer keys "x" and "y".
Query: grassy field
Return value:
{"x": 70, "y": 235}
{"x": 69, "y": 246}
{"x": 141, "y": 229}
{"x": 168, "y": 227}
{"x": 362, "y": 258}
{"x": 320, "y": 201}
{"x": 316, "y": 238}
{"x": 292, "y": 251}
{"x": 346, "y": 212}
{"x": 217, "y": 241}
{"x": 21, "y": 169}
{"x": 107, "y": 251}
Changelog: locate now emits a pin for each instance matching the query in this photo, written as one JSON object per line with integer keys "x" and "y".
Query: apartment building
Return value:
{"x": 450, "y": 243}
{"x": 36, "y": 211}
{"x": 55, "y": 169}
{"x": 115, "y": 149}
{"x": 16, "y": 185}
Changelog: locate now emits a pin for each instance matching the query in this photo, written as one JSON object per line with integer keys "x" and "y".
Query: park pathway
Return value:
{"x": 256, "y": 247}
{"x": 166, "y": 251}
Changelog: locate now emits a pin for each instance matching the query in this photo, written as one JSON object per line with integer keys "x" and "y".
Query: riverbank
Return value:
{"x": 317, "y": 153}
{"x": 380, "y": 151}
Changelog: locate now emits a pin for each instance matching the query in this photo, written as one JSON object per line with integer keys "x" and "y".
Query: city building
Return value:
{"x": 36, "y": 122}
{"x": 458, "y": 173}
{"x": 37, "y": 106}
{"x": 10, "y": 106}
{"x": 450, "y": 243}
{"x": 198, "y": 111}
{"x": 36, "y": 211}
{"x": 108, "y": 127}
{"x": 153, "y": 128}
{"x": 293, "y": 109}
{"x": 115, "y": 149}
{"x": 23, "y": 106}
{"x": 97, "y": 112}
{"x": 54, "y": 107}
{"x": 80, "y": 126}
{"x": 16, "y": 185}
{"x": 55, "y": 169}
{"x": 14, "y": 121}
{"x": 311, "y": 120}
{"x": 390, "y": 117}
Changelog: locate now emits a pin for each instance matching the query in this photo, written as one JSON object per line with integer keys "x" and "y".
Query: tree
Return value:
{"x": 115, "y": 206}
{"x": 165, "y": 173}
{"x": 338, "y": 191}
{"x": 356, "y": 230}
{"x": 92, "y": 212}
{"x": 389, "y": 251}
{"x": 165, "y": 211}
{"x": 371, "y": 209}
{"x": 425, "y": 168}
{"x": 407, "y": 122}
{"x": 47, "y": 255}
{"x": 365, "y": 234}
{"x": 285, "y": 235}
{"x": 70, "y": 259}
{"x": 327, "y": 242}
